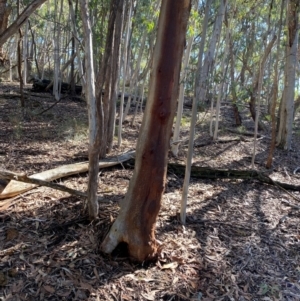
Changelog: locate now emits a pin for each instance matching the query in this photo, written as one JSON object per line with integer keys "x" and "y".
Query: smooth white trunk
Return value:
{"x": 124, "y": 75}
{"x": 185, "y": 187}
{"x": 175, "y": 141}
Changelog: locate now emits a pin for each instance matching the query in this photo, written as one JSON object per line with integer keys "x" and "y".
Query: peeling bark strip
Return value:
{"x": 135, "y": 224}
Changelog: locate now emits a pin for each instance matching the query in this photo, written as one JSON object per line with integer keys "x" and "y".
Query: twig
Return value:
{"x": 52, "y": 105}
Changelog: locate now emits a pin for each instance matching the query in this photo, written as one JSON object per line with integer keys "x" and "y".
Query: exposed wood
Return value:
{"x": 8, "y": 175}
{"x": 136, "y": 222}
{"x": 14, "y": 187}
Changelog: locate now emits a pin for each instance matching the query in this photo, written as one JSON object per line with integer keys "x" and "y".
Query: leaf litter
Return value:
{"x": 241, "y": 240}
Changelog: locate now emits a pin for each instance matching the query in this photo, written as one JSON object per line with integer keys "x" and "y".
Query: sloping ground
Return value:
{"x": 241, "y": 240}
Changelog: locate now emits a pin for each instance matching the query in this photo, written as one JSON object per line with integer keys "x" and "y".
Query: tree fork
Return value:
{"x": 135, "y": 224}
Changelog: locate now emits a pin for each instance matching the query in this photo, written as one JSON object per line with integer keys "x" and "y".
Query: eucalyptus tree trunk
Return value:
{"x": 109, "y": 66}
{"x": 221, "y": 86}
{"x": 115, "y": 72}
{"x": 237, "y": 116}
{"x": 258, "y": 97}
{"x": 254, "y": 93}
{"x": 175, "y": 140}
{"x": 284, "y": 137}
{"x": 56, "y": 55}
{"x": 92, "y": 201}
{"x": 20, "y": 60}
{"x": 136, "y": 71}
{"x": 125, "y": 64}
{"x": 210, "y": 53}
{"x": 274, "y": 93}
{"x": 25, "y": 54}
{"x": 198, "y": 90}
{"x": 135, "y": 224}
{"x": 80, "y": 67}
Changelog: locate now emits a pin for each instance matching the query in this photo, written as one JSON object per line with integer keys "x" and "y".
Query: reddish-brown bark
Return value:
{"x": 135, "y": 224}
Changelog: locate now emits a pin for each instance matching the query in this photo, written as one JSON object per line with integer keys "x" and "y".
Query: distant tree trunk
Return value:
{"x": 57, "y": 79}
{"x": 92, "y": 201}
{"x": 198, "y": 91}
{"x": 175, "y": 139}
{"x": 20, "y": 60}
{"x": 284, "y": 137}
{"x": 274, "y": 93}
{"x": 258, "y": 97}
{"x": 125, "y": 64}
{"x": 134, "y": 77}
{"x": 221, "y": 86}
{"x": 115, "y": 71}
{"x": 210, "y": 53}
{"x": 109, "y": 65}
{"x": 34, "y": 55}
{"x": 253, "y": 96}
{"x": 135, "y": 224}
{"x": 25, "y": 53}
{"x": 237, "y": 116}
{"x": 80, "y": 67}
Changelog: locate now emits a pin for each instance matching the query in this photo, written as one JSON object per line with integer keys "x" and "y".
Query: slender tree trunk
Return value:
{"x": 237, "y": 116}
{"x": 254, "y": 93}
{"x": 210, "y": 53}
{"x": 134, "y": 77}
{"x": 115, "y": 71}
{"x": 25, "y": 54}
{"x": 80, "y": 67}
{"x": 284, "y": 138}
{"x": 175, "y": 139}
{"x": 92, "y": 202}
{"x": 198, "y": 91}
{"x": 220, "y": 93}
{"x": 260, "y": 77}
{"x": 135, "y": 224}
{"x": 20, "y": 61}
{"x": 108, "y": 67}
{"x": 125, "y": 49}
{"x": 275, "y": 93}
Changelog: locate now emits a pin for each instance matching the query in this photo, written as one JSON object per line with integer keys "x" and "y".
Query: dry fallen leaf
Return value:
{"x": 171, "y": 265}
{"x": 3, "y": 279}
{"x": 11, "y": 234}
{"x": 49, "y": 289}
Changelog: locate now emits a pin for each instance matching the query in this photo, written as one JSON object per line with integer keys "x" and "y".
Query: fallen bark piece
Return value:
{"x": 15, "y": 187}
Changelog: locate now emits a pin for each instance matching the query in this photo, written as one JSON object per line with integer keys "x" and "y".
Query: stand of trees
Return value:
{"x": 246, "y": 53}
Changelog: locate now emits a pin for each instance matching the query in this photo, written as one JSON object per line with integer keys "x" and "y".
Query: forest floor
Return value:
{"x": 241, "y": 240}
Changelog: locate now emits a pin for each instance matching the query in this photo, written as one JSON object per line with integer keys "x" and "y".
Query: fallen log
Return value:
{"x": 44, "y": 85}
{"x": 15, "y": 187}
{"x": 211, "y": 173}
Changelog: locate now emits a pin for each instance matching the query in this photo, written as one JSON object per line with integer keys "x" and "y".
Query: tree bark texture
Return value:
{"x": 254, "y": 93}
{"x": 135, "y": 224}
{"x": 92, "y": 202}
{"x": 108, "y": 75}
{"x": 284, "y": 138}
